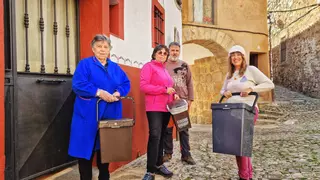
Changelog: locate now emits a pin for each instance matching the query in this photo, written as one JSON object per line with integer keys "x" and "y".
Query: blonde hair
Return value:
{"x": 232, "y": 69}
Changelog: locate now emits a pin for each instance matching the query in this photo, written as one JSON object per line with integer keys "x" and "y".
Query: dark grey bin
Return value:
{"x": 233, "y": 127}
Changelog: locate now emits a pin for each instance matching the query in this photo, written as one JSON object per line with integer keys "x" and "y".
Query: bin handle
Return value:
{"x": 238, "y": 94}
{"x": 121, "y": 98}
{"x": 174, "y": 100}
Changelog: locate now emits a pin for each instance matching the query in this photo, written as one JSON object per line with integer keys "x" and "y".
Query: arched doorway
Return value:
{"x": 206, "y": 51}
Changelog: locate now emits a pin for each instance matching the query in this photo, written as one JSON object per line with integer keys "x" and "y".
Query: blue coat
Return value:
{"x": 90, "y": 75}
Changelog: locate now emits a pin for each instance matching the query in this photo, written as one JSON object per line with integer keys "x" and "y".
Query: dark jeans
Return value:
{"x": 85, "y": 168}
{"x": 184, "y": 142}
{"x": 158, "y": 122}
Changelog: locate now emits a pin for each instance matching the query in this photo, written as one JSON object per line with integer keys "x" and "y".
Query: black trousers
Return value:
{"x": 158, "y": 122}
{"x": 184, "y": 142}
{"x": 85, "y": 168}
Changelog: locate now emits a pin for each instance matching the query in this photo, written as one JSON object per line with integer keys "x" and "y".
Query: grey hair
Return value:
{"x": 101, "y": 37}
{"x": 174, "y": 44}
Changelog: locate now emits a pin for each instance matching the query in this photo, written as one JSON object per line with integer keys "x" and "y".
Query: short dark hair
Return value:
{"x": 101, "y": 37}
{"x": 159, "y": 48}
{"x": 174, "y": 44}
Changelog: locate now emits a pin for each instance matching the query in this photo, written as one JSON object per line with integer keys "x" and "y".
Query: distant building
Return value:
{"x": 295, "y": 40}
{"x": 210, "y": 28}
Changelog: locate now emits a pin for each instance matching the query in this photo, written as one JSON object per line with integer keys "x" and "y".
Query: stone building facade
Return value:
{"x": 210, "y": 28}
{"x": 295, "y": 40}
{"x": 208, "y": 76}
{"x": 41, "y": 42}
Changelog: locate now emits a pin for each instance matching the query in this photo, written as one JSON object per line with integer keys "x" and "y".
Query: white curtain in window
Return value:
{"x": 198, "y": 10}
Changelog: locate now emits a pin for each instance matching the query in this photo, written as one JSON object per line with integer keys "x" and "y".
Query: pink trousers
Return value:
{"x": 244, "y": 163}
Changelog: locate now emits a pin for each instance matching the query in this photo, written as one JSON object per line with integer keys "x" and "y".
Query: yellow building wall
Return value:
{"x": 245, "y": 22}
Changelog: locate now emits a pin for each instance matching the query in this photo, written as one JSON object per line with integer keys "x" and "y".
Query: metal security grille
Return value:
{"x": 158, "y": 27}
{"x": 41, "y": 52}
{"x": 46, "y": 36}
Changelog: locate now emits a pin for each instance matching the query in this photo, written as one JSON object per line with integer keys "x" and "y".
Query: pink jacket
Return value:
{"x": 154, "y": 80}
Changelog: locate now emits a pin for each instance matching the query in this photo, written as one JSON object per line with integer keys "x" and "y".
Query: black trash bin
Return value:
{"x": 233, "y": 127}
{"x": 116, "y": 137}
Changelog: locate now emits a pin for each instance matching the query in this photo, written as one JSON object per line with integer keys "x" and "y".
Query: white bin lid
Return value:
{"x": 177, "y": 106}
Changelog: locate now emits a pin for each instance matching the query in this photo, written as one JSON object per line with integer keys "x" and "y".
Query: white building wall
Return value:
{"x": 192, "y": 52}
{"x": 173, "y": 20}
{"x": 136, "y": 48}
{"x": 161, "y": 2}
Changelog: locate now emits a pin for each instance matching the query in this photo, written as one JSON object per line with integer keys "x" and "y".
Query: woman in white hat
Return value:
{"x": 245, "y": 79}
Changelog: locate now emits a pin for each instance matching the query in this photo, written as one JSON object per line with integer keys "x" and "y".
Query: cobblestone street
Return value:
{"x": 286, "y": 146}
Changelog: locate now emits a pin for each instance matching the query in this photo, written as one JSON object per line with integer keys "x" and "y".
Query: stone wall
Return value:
{"x": 208, "y": 75}
{"x": 300, "y": 31}
{"x": 301, "y": 69}
{"x": 289, "y": 24}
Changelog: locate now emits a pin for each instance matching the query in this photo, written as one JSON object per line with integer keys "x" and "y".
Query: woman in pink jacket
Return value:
{"x": 157, "y": 84}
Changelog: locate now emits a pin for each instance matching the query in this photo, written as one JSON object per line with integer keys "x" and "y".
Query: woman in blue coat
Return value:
{"x": 95, "y": 77}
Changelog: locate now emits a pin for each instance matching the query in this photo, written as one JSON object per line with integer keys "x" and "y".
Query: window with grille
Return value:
{"x": 47, "y": 36}
{"x": 158, "y": 24}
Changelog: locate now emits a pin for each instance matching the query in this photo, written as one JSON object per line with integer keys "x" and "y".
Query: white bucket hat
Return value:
{"x": 237, "y": 48}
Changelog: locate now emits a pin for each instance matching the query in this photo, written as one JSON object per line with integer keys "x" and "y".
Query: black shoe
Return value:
{"x": 148, "y": 176}
{"x": 244, "y": 179}
{"x": 163, "y": 171}
{"x": 188, "y": 159}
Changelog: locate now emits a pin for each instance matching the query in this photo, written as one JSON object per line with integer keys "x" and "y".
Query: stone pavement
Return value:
{"x": 286, "y": 147}
{"x": 288, "y": 150}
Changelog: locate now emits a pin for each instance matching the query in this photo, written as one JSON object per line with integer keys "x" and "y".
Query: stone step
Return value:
{"x": 295, "y": 101}
{"x": 266, "y": 122}
{"x": 275, "y": 113}
{"x": 268, "y": 116}
{"x": 268, "y": 126}
{"x": 260, "y": 102}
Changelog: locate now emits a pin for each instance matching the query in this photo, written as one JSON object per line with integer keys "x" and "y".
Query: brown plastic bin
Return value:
{"x": 116, "y": 138}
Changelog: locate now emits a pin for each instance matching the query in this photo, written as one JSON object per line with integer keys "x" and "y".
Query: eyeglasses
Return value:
{"x": 162, "y": 53}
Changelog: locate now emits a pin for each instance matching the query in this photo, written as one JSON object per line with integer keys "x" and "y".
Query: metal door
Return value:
{"x": 41, "y": 39}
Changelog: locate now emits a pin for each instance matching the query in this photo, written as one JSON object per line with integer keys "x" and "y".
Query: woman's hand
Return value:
{"x": 246, "y": 92}
{"x": 116, "y": 95}
{"x": 176, "y": 97}
{"x": 104, "y": 95}
{"x": 227, "y": 94}
{"x": 170, "y": 90}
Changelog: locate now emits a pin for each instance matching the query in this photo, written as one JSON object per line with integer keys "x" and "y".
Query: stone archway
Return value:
{"x": 208, "y": 72}
{"x": 217, "y": 41}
